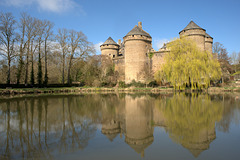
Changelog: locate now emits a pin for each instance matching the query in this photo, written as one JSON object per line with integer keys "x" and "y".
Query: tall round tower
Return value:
{"x": 195, "y": 33}
{"x": 137, "y": 45}
{"x": 208, "y": 43}
{"x": 110, "y": 48}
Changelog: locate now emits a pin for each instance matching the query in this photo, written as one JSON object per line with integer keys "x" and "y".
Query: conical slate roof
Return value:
{"x": 191, "y": 25}
{"x": 110, "y": 41}
{"x": 207, "y": 35}
{"x": 138, "y": 31}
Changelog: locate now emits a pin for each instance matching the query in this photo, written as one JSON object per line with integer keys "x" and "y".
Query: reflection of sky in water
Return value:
{"x": 121, "y": 127}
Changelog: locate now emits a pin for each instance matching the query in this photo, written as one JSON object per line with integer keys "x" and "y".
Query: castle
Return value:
{"x": 132, "y": 56}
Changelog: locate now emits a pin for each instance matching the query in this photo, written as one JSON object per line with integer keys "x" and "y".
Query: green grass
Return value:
{"x": 96, "y": 89}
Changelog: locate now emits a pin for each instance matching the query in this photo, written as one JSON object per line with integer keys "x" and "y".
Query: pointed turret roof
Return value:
{"x": 138, "y": 31}
{"x": 110, "y": 41}
{"x": 191, "y": 25}
{"x": 207, "y": 35}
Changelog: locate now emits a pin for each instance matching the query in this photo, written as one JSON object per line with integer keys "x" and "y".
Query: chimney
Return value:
{"x": 140, "y": 25}
{"x": 119, "y": 42}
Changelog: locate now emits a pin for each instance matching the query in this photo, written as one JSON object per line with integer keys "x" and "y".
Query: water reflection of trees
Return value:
{"x": 37, "y": 127}
{"x": 190, "y": 120}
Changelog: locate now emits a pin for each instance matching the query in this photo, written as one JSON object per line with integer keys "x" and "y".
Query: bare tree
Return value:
{"x": 77, "y": 40}
{"x": 47, "y": 35}
{"x": 41, "y": 26}
{"x": 223, "y": 59}
{"x": 238, "y": 57}
{"x": 234, "y": 60}
{"x": 7, "y": 39}
{"x": 217, "y": 47}
{"x": 22, "y": 45}
{"x": 31, "y": 33}
{"x": 62, "y": 38}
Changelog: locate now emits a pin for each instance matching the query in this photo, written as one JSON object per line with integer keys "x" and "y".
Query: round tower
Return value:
{"x": 110, "y": 48}
{"x": 195, "y": 33}
{"x": 137, "y": 45}
{"x": 208, "y": 43}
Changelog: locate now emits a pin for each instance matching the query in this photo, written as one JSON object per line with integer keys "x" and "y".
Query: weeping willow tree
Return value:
{"x": 187, "y": 65}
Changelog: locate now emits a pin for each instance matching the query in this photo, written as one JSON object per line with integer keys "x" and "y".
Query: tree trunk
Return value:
{"x": 39, "y": 65}
{"x": 63, "y": 69}
{"x": 9, "y": 63}
{"x": 69, "y": 70}
{"x": 32, "y": 72}
{"x": 27, "y": 59}
{"x": 20, "y": 65}
{"x": 9, "y": 71}
{"x": 46, "y": 75}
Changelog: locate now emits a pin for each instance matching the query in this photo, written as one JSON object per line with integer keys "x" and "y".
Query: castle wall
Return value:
{"x": 131, "y": 56}
{"x": 110, "y": 50}
{"x": 120, "y": 67}
{"x": 136, "y": 49}
{"x": 158, "y": 60}
{"x": 197, "y": 35}
{"x": 208, "y": 44}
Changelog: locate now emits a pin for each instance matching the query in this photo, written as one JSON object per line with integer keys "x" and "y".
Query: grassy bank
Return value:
{"x": 93, "y": 89}
{"x": 77, "y": 90}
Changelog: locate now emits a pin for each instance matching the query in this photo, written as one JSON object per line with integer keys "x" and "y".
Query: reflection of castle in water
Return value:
{"x": 138, "y": 117}
{"x": 134, "y": 119}
{"x": 43, "y": 126}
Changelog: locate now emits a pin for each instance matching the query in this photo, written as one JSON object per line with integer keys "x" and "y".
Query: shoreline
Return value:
{"x": 16, "y": 91}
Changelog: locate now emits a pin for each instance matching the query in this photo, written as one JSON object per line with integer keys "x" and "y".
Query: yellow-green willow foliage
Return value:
{"x": 186, "y": 63}
{"x": 190, "y": 120}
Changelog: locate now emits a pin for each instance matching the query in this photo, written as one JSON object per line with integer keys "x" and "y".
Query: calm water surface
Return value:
{"x": 120, "y": 126}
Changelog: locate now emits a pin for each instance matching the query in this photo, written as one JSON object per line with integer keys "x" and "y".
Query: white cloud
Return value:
{"x": 17, "y": 3}
{"x": 158, "y": 43}
{"x": 56, "y": 6}
{"x": 97, "y": 47}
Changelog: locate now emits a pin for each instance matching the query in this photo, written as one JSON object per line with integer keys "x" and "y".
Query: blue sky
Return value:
{"x": 162, "y": 19}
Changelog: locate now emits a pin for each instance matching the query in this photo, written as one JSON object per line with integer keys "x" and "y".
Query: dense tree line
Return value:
{"x": 30, "y": 53}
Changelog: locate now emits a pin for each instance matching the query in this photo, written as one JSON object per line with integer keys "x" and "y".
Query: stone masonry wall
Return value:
{"x": 197, "y": 35}
{"x": 120, "y": 67}
{"x": 158, "y": 60}
{"x": 110, "y": 50}
{"x": 208, "y": 44}
{"x": 136, "y": 49}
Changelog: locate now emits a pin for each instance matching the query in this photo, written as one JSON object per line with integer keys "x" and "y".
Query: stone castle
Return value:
{"x": 132, "y": 56}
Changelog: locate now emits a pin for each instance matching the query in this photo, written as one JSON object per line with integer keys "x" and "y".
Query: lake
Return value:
{"x": 120, "y": 126}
